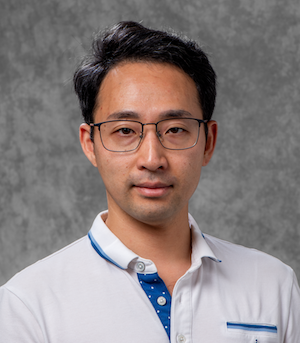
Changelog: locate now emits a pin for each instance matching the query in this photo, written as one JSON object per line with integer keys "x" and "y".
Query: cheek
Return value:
{"x": 194, "y": 171}
{"x": 112, "y": 170}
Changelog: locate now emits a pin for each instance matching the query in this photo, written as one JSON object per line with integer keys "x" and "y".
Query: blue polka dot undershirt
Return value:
{"x": 159, "y": 296}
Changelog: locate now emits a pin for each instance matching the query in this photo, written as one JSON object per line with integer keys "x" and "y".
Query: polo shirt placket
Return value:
{"x": 159, "y": 297}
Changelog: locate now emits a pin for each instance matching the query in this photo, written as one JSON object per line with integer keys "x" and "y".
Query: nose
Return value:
{"x": 151, "y": 154}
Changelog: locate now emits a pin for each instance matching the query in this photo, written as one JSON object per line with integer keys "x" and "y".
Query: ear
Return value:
{"x": 87, "y": 144}
{"x": 211, "y": 140}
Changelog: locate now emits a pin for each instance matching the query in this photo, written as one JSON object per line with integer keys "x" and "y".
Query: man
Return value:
{"x": 145, "y": 272}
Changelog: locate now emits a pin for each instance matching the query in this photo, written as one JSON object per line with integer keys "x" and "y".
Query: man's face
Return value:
{"x": 151, "y": 184}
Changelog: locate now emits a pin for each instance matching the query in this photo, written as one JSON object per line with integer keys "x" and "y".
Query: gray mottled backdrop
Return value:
{"x": 249, "y": 194}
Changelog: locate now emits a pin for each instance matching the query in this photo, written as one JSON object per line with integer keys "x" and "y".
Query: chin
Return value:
{"x": 153, "y": 216}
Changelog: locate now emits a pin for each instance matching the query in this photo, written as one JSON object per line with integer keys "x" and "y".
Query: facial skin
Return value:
{"x": 151, "y": 185}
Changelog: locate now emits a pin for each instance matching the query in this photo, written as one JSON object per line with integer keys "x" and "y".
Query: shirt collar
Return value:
{"x": 108, "y": 246}
{"x": 200, "y": 248}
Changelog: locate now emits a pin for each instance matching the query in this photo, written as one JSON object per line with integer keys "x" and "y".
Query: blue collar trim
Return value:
{"x": 99, "y": 250}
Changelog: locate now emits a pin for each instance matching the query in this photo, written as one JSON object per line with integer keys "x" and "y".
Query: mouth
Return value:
{"x": 153, "y": 190}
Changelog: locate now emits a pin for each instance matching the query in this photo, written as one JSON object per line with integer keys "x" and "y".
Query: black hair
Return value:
{"x": 132, "y": 42}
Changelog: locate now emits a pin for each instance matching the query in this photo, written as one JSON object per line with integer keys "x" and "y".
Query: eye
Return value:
{"x": 125, "y": 131}
{"x": 175, "y": 130}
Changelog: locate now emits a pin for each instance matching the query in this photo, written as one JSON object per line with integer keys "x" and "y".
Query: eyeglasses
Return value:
{"x": 173, "y": 133}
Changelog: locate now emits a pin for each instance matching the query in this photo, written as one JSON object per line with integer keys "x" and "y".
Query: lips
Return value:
{"x": 153, "y": 189}
{"x": 152, "y": 185}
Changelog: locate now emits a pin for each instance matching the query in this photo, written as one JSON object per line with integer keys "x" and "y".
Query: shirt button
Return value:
{"x": 181, "y": 339}
{"x": 140, "y": 266}
{"x": 161, "y": 301}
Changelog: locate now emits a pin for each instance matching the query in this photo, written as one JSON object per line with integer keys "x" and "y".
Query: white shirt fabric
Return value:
{"x": 75, "y": 295}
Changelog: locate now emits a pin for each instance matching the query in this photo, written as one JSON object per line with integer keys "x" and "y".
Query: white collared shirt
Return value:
{"x": 91, "y": 291}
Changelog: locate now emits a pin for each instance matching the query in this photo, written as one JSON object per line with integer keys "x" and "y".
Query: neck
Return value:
{"x": 167, "y": 244}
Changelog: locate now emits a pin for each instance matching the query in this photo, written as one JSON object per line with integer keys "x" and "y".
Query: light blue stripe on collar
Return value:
{"x": 97, "y": 247}
{"x": 107, "y": 245}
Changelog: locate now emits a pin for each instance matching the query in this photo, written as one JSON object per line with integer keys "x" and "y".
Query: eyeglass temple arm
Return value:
{"x": 92, "y": 125}
{"x": 205, "y": 127}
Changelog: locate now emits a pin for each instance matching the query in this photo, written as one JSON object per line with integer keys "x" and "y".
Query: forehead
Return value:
{"x": 146, "y": 89}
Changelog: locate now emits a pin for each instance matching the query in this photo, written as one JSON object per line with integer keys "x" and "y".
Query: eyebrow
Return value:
{"x": 175, "y": 114}
{"x": 123, "y": 115}
{"x": 164, "y": 115}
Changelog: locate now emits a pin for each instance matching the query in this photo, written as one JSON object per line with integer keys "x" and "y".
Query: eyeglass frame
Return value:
{"x": 92, "y": 125}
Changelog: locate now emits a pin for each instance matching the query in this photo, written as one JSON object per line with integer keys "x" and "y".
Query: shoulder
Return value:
{"x": 248, "y": 260}
{"x": 60, "y": 264}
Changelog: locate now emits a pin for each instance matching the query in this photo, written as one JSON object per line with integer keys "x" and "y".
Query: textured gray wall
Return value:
{"x": 50, "y": 194}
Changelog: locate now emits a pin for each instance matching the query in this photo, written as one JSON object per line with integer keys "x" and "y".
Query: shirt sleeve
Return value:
{"x": 293, "y": 326}
{"x": 17, "y": 324}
